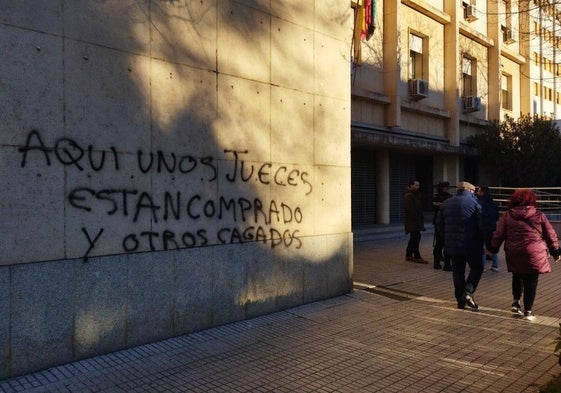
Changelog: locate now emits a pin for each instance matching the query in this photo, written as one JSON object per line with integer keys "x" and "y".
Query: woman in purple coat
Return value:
{"x": 528, "y": 240}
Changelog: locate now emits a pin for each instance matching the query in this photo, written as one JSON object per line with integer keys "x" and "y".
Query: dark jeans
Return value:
{"x": 463, "y": 285}
{"x": 413, "y": 245}
{"x": 525, "y": 283}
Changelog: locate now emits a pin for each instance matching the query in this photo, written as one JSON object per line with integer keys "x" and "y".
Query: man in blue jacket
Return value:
{"x": 459, "y": 220}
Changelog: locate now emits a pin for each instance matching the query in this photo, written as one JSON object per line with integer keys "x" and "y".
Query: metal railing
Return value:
{"x": 549, "y": 199}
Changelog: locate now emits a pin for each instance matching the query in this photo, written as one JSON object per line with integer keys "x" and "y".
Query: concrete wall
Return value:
{"x": 167, "y": 167}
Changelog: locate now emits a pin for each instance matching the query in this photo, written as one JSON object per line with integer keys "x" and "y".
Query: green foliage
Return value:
{"x": 554, "y": 386}
{"x": 524, "y": 152}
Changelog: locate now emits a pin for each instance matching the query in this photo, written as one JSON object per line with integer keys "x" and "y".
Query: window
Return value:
{"x": 508, "y": 35}
{"x": 469, "y": 85}
{"x": 506, "y": 92}
{"x": 505, "y": 16}
{"x": 470, "y": 12}
{"x": 416, "y": 59}
{"x": 536, "y": 89}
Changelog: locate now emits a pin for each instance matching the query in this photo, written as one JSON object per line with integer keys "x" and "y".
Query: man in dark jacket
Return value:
{"x": 437, "y": 252}
{"x": 489, "y": 218}
{"x": 413, "y": 221}
{"x": 459, "y": 220}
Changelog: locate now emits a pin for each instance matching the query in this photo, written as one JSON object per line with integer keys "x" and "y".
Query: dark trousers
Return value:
{"x": 463, "y": 285}
{"x": 413, "y": 245}
{"x": 525, "y": 283}
{"x": 438, "y": 250}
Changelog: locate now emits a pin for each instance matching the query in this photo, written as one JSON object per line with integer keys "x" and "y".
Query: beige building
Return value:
{"x": 543, "y": 24}
{"x": 432, "y": 73}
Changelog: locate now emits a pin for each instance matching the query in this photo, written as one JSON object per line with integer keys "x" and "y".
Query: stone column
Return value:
{"x": 383, "y": 187}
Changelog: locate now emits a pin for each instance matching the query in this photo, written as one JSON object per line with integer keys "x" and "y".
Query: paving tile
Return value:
{"x": 404, "y": 334}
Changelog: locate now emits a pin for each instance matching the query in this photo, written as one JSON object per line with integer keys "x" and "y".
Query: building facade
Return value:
{"x": 432, "y": 73}
{"x": 167, "y": 167}
{"x": 541, "y": 28}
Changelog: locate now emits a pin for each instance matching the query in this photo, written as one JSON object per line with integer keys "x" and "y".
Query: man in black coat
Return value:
{"x": 413, "y": 221}
{"x": 441, "y": 195}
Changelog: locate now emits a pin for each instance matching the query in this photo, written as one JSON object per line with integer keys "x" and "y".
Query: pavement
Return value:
{"x": 398, "y": 331}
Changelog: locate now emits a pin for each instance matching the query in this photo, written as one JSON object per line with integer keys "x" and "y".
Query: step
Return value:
{"x": 385, "y": 231}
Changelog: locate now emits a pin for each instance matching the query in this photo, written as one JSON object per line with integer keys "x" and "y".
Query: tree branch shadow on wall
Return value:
{"x": 186, "y": 203}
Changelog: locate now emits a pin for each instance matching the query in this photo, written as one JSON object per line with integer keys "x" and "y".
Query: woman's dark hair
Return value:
{"x": 522, "y": 197}
{"x": 486, "y": 190}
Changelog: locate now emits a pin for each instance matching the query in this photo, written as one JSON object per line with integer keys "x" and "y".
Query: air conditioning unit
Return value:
{"x": 418, "y": 88}
{"x": 508, "y": 36}
{"x": 470, "y": 13}
{"x": 472, "y": 103}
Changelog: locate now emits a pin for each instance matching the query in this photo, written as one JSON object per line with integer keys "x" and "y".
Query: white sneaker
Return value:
{"x": 529, "y": 315}
{"x": 494, "y": 269}
{"x": 516, "y": 308}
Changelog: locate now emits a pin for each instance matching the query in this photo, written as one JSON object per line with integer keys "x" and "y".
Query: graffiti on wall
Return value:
{"x": 239, "y": 219}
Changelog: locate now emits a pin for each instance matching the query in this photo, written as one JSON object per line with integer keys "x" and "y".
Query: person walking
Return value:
{"x": 528, "y": 237}
{"x": 490, "y": 216}
{"x": 459, "y": 220}
{"x": 438, "y": 246}
{"x": 413, "y": 221}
